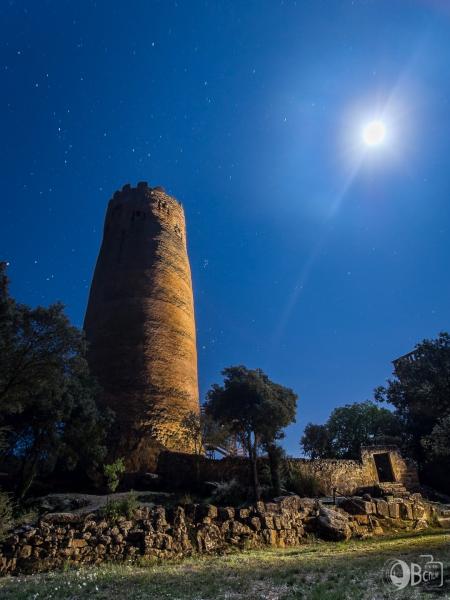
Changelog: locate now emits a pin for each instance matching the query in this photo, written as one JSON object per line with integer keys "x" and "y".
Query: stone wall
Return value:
{"x": 61, "y": 538}
{"x": 140, "y": 325}
{"x": 180, "y": 470}
{"x": 346, "y": 476}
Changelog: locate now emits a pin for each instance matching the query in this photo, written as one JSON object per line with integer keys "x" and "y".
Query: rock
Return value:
{"x": 269, "y": 537}
{"x": 238, "y": 528}
{"x": 25, "y": 551}
{"x": 209, "y": 538}
{"x": 382, "y": 508}
{"x": 377, "y": 530}
{"x": 160, "y": 522}
{"x": 444, "y": 522}
{"x": 421, "y": 524}
{"x": 291, "y": 503}
{"x": 333, "y": 525}
{"x": 268, "y": 521}
{"x": 255, "y": 523}
{"x": 63, "y": 518}
{"x": 357, "y": 506}
{"x": 418, "y": 511}
{"x": 226, "y": 513}
{"x": 277, "y": 523}
{"x": 362, "y": 519}
{"x": 406, "y": 511}
{"x": 207, "y": 510}
{"x": 394, "y": 510}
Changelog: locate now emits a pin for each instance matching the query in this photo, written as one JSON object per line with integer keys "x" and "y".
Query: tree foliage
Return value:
{"x": 348, "y": 428}
{"x": 254, "y": 408}
{"x": 191, "y": 432}
{"x": 113, "y": 473}
{"x": 316, "y": 441}
{"x": 420, "y": 391}
{"x": 6, "y": 515}
{"x": 437, "y": 444}
{"x": 48, "y": 411}
{"x": 217, "y": 435}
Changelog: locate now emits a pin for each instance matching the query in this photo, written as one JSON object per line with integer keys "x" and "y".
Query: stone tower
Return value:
{"x": 140, "y": 325}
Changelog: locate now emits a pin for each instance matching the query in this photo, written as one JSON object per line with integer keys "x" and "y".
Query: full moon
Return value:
{"x": 374, "y": 133}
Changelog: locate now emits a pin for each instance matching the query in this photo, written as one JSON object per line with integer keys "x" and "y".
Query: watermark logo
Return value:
{"x": 400, "y": 574}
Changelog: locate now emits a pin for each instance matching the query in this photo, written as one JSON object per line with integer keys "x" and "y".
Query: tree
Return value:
{"x": 277, "y": 456}
{"x": 348, "y": 428}
{"x": 191, "y": 432}
{"x": 217, "y": 436}
{"x": 360, "y": 424}
{"x": 6, "y": 515}
{"x": 437, "y": 444}
{"x": 420, "y": 392}
{"x": 316, "y": 441}
{"x": 47, "y": 395}
{"x": 253, "y": 408}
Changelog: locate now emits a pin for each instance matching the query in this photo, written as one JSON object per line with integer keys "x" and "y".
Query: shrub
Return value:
{"x": 229, "y": 493}
{"x": 6, "y": 515}
{"x": 185, "y": 499}
{"x": 302, "y": 483}
{"x": 264, "y": 474}
{"x": 121, "y": 507}
{"x": 113, "y": 472}
{"x": 25, "y": 517}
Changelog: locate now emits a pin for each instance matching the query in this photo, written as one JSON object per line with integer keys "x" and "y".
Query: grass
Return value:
{"x": 315, "y": 571}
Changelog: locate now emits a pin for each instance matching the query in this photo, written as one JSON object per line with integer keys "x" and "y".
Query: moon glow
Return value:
{"x": 374, "y": 133}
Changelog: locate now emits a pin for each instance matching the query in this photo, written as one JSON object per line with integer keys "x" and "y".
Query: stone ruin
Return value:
{"x": 381, "y": 466}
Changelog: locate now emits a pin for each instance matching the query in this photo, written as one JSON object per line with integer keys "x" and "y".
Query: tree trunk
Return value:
{"x": 253, "y": 454}
{"x": 274, "y": 453}
{"x": 197, "y": 468}
{"x": 28, "y": 473}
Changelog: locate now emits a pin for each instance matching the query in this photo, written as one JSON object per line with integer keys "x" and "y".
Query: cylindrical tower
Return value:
{"x": 140, "y": 325}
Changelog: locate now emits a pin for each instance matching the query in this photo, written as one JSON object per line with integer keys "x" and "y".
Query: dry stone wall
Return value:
{"x": 61, "y": 538}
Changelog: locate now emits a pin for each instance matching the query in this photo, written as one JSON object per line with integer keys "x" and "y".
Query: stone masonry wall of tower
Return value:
{"x": 140, "y": 325}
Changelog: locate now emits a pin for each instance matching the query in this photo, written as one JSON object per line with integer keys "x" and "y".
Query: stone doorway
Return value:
{"x": 384, "y": 467}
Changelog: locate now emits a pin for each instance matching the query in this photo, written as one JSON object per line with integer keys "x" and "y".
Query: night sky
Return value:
{"x": 314, "y": 257}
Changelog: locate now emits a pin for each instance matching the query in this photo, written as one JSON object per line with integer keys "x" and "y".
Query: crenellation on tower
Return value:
{"x": 140, "y": 323}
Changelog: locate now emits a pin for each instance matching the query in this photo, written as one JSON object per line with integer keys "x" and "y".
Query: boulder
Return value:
{"x": 333, "y": 525}
{"x": 357, "y": 506}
